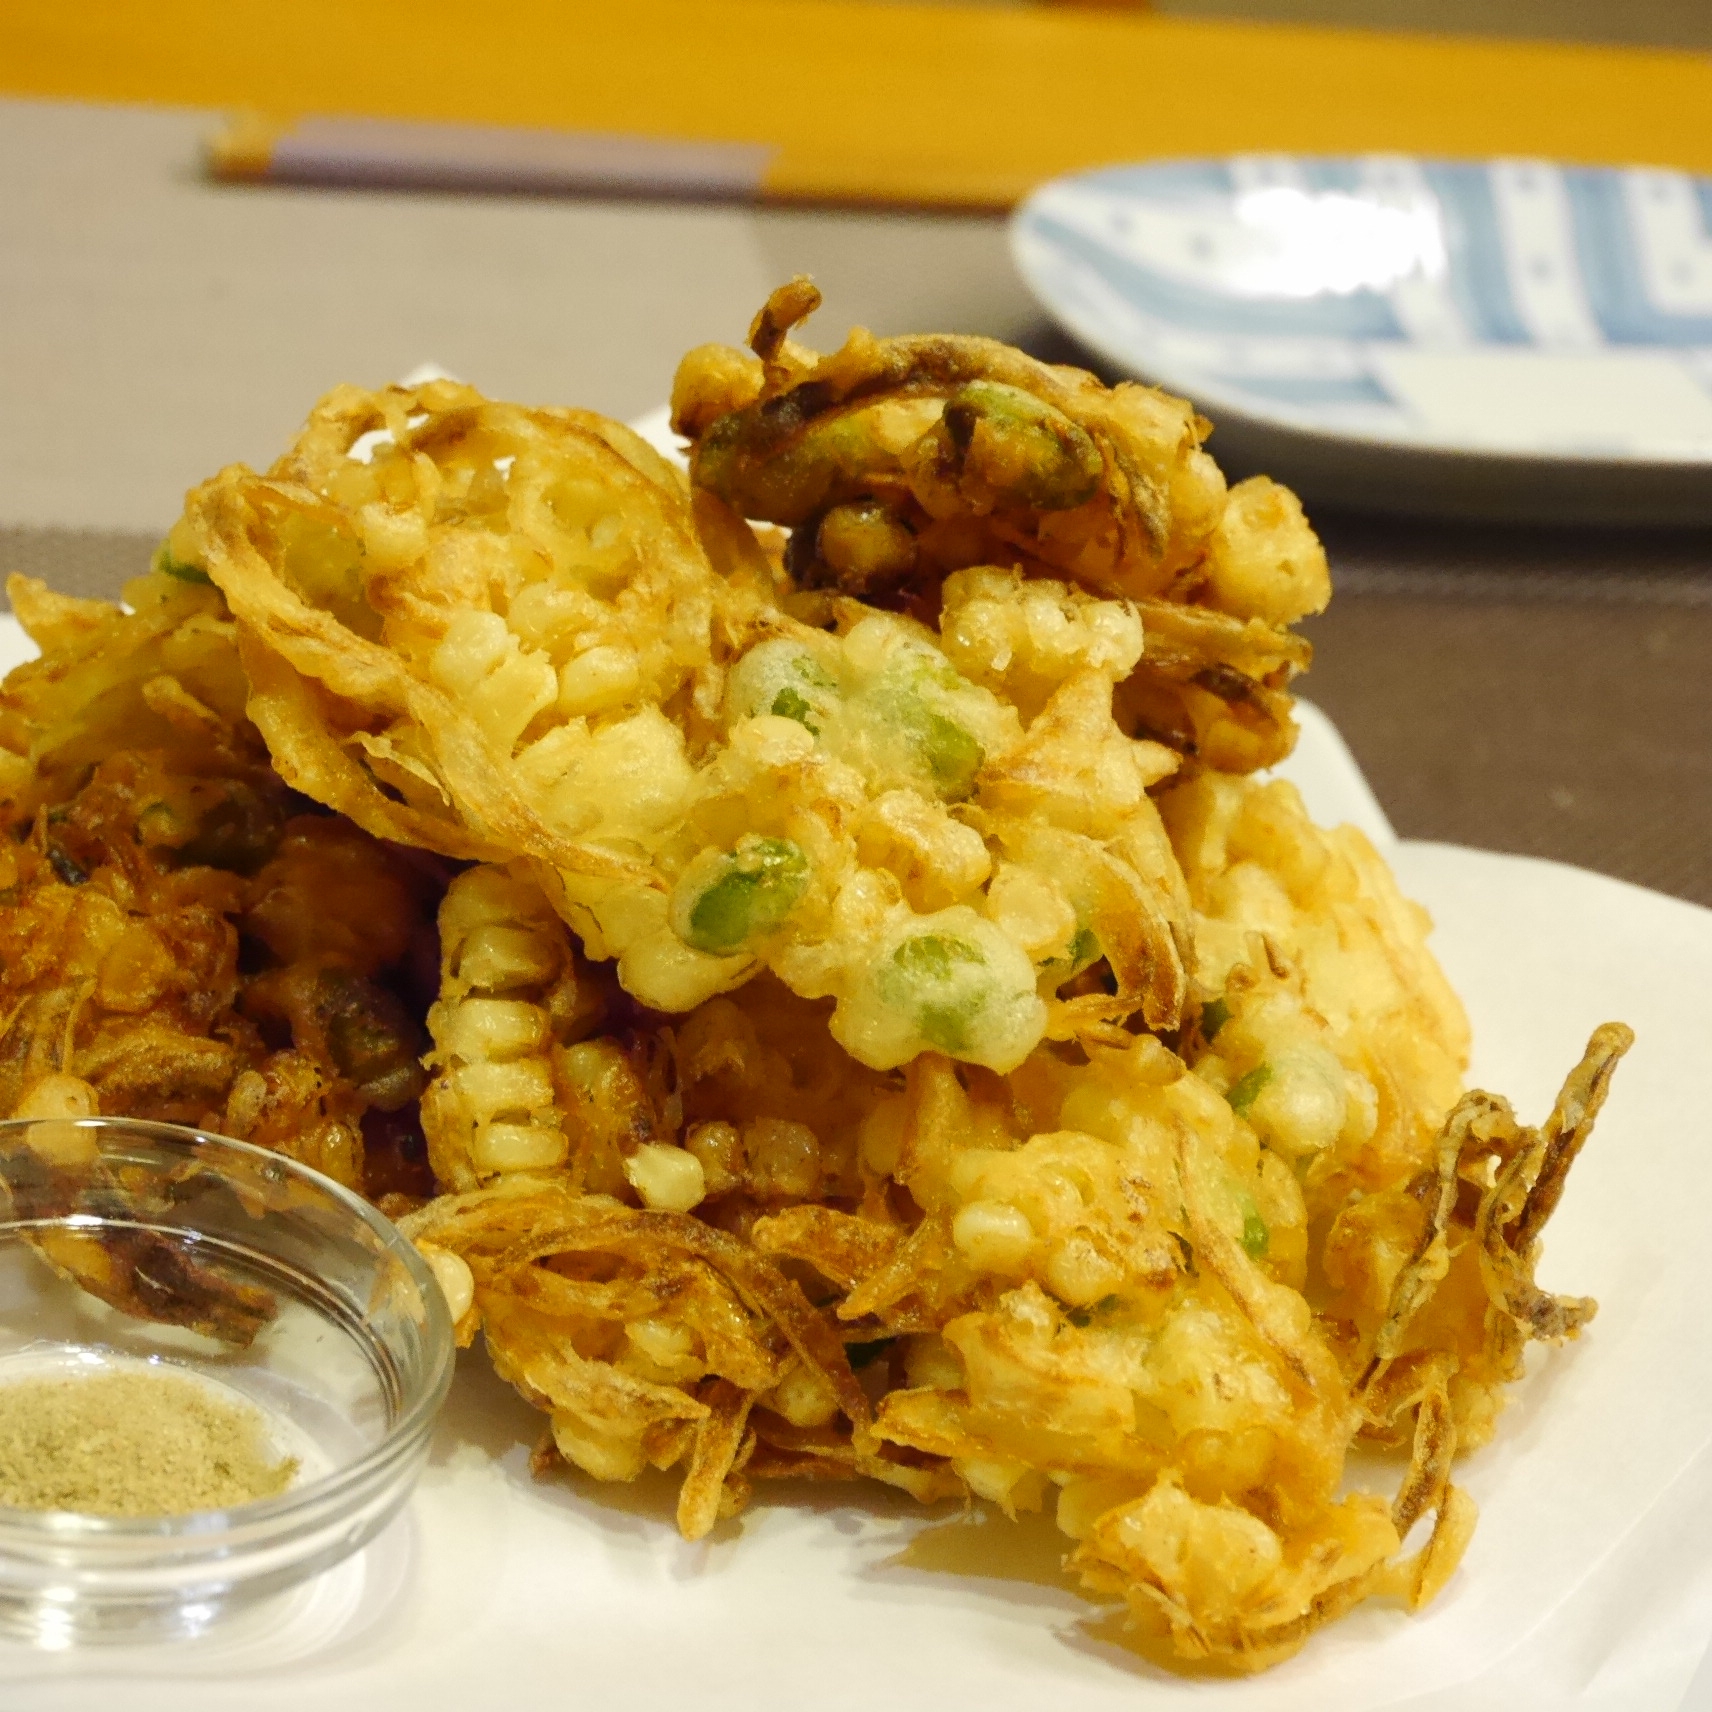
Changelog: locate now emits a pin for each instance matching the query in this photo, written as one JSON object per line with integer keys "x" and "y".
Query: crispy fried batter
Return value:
{"x": 1088, "y": 1280}
{"x": 501, "y": 636}
{"x": 126, "y": 977}
{"x": 883, "y": 1034}
{"x": 163, "y": 675}
{"x": 487, "y": 575}
{"x": 630, "y": 1326}
{"x": 175, "y": 939}
{"x": 895, "y": 462}
{"x": 976, "y": 453}
{"x": 1325, "y": 1016}
{"x": 541, "y": 1063}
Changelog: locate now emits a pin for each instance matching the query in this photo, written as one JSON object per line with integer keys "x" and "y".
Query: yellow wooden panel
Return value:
{"x": 912, "y": 102}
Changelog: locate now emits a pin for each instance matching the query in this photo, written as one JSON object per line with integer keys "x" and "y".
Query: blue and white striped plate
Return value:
{"x": 1515, "y": 310}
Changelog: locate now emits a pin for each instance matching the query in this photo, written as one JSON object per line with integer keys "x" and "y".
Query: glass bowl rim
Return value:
{"x": 208, "y": 1526}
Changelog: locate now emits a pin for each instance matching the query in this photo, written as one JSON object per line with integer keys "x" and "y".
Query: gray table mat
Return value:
{"x": 1530, "y": 690}
{"x": 1537, "y": 691}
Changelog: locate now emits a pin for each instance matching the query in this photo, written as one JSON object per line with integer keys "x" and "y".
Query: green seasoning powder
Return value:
{"x": 133, "y": 1443}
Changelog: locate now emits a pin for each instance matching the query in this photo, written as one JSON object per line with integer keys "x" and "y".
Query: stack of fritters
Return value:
{"x": 883, "y": 1029}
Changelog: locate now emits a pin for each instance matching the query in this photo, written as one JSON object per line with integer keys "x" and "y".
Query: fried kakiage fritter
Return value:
{"x": 1093, "y": 1281}
{"x": 160, "y": 673}
{"x": 181, "y": 940}
{"x": 895, "y": 462}
{"x": 500, "y": 636}
{"x": 881, "y": 1029}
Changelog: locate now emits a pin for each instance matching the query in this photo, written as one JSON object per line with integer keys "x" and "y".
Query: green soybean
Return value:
{"x": 371, "y": 1038}
{"x": 776, "y": 677}
{"x": 952, "y": 755}
{"x": 948, "y": 751}
{"x": 752, "y": 892}
{"x": 789, "y": 704}
{"x": 1035, "y": 455}
{"x": 237, "y": 833}
{"x": 1246, "y": 1089}
{"x": 943, "y": 982}
{"x": 1256, "y": 1238}
{"x": 1083, "y": 951}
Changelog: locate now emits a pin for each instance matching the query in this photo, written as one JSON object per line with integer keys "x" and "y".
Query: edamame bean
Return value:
{"x": 950, "y": 982}
{"x": 747, "y": 894}
{"x": 947, "y": 751}
{"x": 177, "y": 569}
{"x": 997, "y": 442}
{"x": 1256, "y": 1237}
{"x": 1245, "y": 1090}
{"x": 944, "y": 982}
{"x": 781, "y": 678}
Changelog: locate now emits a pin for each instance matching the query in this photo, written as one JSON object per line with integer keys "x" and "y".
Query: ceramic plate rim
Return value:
{"x": 1091, "y": 332}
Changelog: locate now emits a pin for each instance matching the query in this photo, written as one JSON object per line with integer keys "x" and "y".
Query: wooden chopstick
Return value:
{"x": 422, "y": 155}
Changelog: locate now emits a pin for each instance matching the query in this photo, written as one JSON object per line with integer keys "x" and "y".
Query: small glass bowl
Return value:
{"x": 237, "y": 1266}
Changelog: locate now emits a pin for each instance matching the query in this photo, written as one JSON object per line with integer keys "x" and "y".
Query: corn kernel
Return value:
{"x": 495, "y": 957}
{"x": 491, "y": 1028}
{"x": 720, "y": 1150}
{"x": 457, "y": 1283}
{"x": 667, "y": 1178}
{"x": 505, "y": 1147}
{"x": 995, "y": 1237}
{"x": 598, "y": 679}
{"x": 784, "y": 1158}
{"x": 1078, "y": 1272}
{"x": 803, "y": 1397}
{"x": 524, "y": 1085}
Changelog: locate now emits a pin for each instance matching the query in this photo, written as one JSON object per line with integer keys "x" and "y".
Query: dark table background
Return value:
{"x": 1547, "y": 692}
